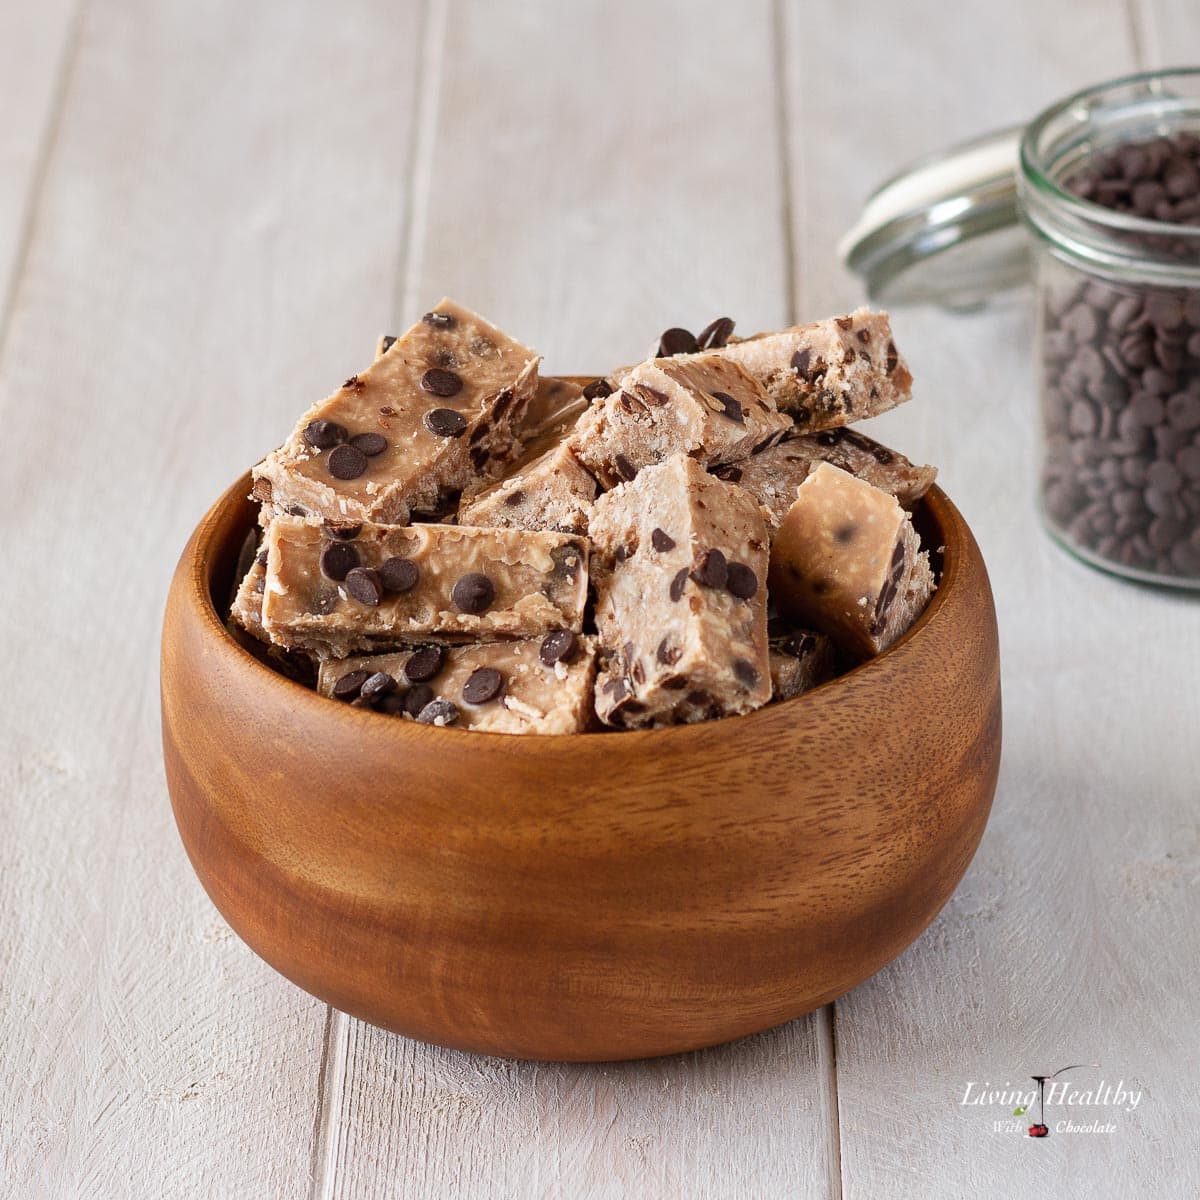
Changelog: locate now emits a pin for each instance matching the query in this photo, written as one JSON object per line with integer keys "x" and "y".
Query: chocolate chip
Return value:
{"x": 843, "y": 323}
{"x": 560, "y": 645}
{"x": 364, "y": 584}
{"x": 893, "y": 357}
{"x": 473, "y": 593}
{"x": 730, "y": 408}
{"x": 503, "y": 400}
{"x": 388, "y": 342}
{"x": 678, "y": 584}
{"x": 712, "y": 570}
{"x": 479, "y": 456}
{"x": 445, "y": 422}
{"x": 624, "y": 468}
{"x": 349, "y": 685}
{"x": 715, "y": 335}
{"x": 676, "y": 341}
{"x": 424, "y": 663}
{"x": 439, "y": 712}
{"x": 801, "y": 361}
{"x": 338, "y": 559}
{"x": 343, "y": 532}
{"x": 399, "y": 574}
{"x": 730, "y": 474}
{"x": 370, "y": 444}
{"x": 386, "y": 410}
{"x": 652, "y": 397}
{"x": 797, "y": 645}
{"x": 746, "y": 672}
{"x": 346, "y": 462}
{"x": 438, "y": 320}
{"x": 741, "y": 581}
{"x": 483, "y": 684}
{"x": 377, "y": 685}
{"x": 416, "y": 698}
{"x": 514, "y": 498}
{"x": 661, "y": 540}
{"x": 322, "y": 434}
{"x": 261, "y": 558}
{"x": 440, "y": 382}
{"x": 392, "y": 703}
{"x": 668, "y": 653}
{"x": 597, "y": 390}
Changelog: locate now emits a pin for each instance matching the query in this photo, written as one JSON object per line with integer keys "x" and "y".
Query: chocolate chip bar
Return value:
{"x": 537, "y": 685}
{"x": 707, "y": 408}
{"x": 679, "y": 562}
{"x": 847, "y": 560}
{"x": 333, "y": 592}
{"x": 545, "y": 489}
{"x": 828, "y": 373}
{"x": 438, "y": 409}
{"x": 800, "y": 659}
{"x": 773, "y": 475}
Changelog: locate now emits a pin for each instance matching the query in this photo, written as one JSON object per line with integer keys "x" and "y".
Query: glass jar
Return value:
{"x": 1118, "y": 326}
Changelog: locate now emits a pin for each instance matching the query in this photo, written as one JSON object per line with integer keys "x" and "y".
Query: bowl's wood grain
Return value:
{"x": 600, "y": 896}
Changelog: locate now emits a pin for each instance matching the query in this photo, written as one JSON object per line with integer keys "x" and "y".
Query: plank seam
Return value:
{"x": 426, "y": 107}
{"x": 47, "y": 144}
{"x": 783, "y": 135}
{"x": 1140, "y": 19}
{"x": 321, "y": 1115}
{"x": 826, "y": 1033}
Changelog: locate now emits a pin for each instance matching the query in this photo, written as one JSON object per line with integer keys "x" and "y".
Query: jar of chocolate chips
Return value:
{"x": 1107, "y": 182}
{"x": 1110, "y": 185}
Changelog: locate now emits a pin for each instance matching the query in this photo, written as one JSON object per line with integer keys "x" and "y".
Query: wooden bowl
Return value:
{"x": 592, "y": 896}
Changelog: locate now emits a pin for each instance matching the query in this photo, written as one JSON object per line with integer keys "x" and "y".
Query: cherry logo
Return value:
{"x": 1038, "y": 1130}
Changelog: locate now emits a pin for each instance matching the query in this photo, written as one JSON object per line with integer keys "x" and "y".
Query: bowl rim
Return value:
{"x": 950, "y": 523}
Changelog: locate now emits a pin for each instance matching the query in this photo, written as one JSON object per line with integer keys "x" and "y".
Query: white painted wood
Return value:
{"x": 1073, "y": 937}
{"x": 585, "y": 201}
{"x": 221, "y": 226}
{"x": 217, "y": 234}
{"x": 36, "y": 46}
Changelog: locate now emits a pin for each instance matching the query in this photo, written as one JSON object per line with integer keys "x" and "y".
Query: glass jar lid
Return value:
{"x": 946, "y": 228}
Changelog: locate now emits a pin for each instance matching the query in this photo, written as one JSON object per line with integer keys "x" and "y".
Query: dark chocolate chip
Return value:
{"x": 438, "y": 320}
{"x": 479, "y": 456}
{"x": 346, "y": 462}
{"x": 342, "y": 531}
{"x": 741, "y": 581}
{"x": 322, "y": 434}
{"x": 424, "y": 663}
{"x": 746, "y": 672}
{"x": 388, "y": 342}
{"x": 716, "y": 334}
{"x": 560, "y": 645}
{"x": 676, "y": 341}
{"x": 624, "y": 468}
{"x": 893, "y": 357}
{"x": 597, "y": 390}
{"x": 711, "y": 570}
{"x": 801, "y": 360}
{"x": 439, "y": 712}
{"x": 668, "y": 653}
{"x": 503, "y": 399}
{"x": 678, "y": 583}
{"x": 445, "y": 422}
{"x": 377, "y": 685}
{"x": 338, "y": 559}
{"x": 364, "y": 584}
{"x": 350, "y": 684}
{"x": 440, "y": 382}
{"x": 416, "y": 698}
{"x": 399, "y": 574}
{"x": 730, "y": 408}
{"x": 661, "y": 540}
{"x": 650, "y": 396}
{"x": 370, "y": 444}
{"x": 798, "y": 644}
{"x": 261, "y": 558}
{"x": 730, "y": 474}
{"x": 483, "y": 684}
{"x": 473, "y": 593}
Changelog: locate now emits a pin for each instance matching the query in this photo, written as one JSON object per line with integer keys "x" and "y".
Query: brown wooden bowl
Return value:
{"x": 592, "y": 896}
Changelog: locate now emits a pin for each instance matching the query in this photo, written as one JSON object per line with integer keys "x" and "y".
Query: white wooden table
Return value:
{"x": 208, "y": 210}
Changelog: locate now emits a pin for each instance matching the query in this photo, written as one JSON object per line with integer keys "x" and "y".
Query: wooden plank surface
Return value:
{"x": 37, "y": 44}
{"x": 1054, "y": 949}
{"x": 205, "y": 217}
{"x": 635, "y": 206}
{"x": 217, "y": 235}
